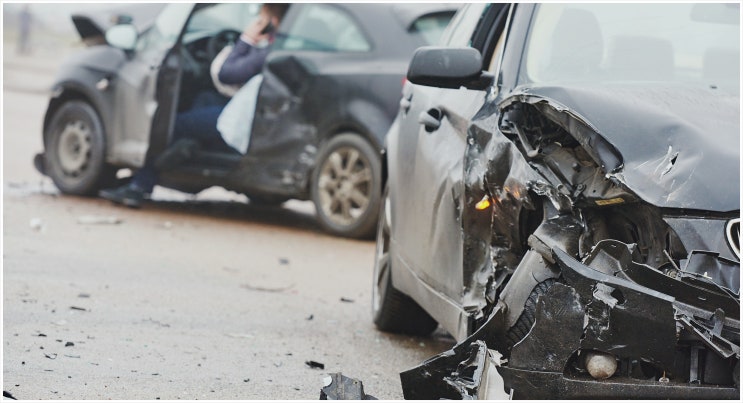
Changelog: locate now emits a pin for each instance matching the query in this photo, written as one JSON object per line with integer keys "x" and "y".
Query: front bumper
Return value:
{"x": 676, "y": 340}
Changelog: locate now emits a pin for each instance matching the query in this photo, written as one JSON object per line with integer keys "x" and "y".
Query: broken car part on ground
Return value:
{"x": 565, "y": 202}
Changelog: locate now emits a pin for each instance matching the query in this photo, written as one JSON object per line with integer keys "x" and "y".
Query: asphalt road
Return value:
{"x": 202, "y": 297}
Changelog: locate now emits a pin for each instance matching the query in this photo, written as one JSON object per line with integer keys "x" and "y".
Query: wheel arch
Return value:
{"x": 71, "y": 91}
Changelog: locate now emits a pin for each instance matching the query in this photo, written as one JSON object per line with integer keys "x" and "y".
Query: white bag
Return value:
{"x": 236, "y": 120}
{"x": 227, "y": 90}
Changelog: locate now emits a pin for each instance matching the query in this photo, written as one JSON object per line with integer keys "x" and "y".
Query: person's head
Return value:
{"x": 274, "y": 12}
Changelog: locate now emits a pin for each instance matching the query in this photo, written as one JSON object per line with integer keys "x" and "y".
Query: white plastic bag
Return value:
{"x": 236, "y": 120}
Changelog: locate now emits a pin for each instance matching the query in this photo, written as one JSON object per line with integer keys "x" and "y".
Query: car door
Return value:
{"x": 433, "y": 141}
{"x": 151, "y": 74}
{"x": 297, "y": 89}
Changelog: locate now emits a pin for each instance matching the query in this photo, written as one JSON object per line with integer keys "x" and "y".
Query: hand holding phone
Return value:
{"x": 268, "y": 29}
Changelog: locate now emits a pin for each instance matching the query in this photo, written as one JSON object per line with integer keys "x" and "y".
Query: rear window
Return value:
{"x": 430, "y": 27}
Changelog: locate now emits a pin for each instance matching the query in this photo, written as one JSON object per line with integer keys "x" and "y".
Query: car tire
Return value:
{"x": 75, "y": 148}
{"x": 393, "y": 311}
{"x": 346, "y": 185}
{"x": 523, "y": 324}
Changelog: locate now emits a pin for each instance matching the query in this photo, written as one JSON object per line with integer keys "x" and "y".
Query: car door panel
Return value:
{"x": 433, "y": 248}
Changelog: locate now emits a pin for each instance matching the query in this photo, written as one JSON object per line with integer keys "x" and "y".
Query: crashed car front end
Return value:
{"x": 598, "y": 293}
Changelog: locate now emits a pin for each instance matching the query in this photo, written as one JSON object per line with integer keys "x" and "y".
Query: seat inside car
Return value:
{"x": 577, "y": 46}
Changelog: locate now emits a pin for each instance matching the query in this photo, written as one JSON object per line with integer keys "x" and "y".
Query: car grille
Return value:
{"x": 733, "y": 235}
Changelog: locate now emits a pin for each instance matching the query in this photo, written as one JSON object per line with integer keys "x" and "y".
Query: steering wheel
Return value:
{"x": 220, "y": 40}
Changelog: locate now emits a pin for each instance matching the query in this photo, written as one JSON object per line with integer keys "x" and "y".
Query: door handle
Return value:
{"x": 430, "y": 119}
{"x": 405, "y": 105}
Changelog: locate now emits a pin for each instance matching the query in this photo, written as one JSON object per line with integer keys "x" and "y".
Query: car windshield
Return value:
{"x": 697, "y": 44}
{"x": 212, "y": 18}
{"x": 167, "y": 27}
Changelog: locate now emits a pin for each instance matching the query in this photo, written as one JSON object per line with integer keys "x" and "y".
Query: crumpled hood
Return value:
{"x": 680, "y": 144}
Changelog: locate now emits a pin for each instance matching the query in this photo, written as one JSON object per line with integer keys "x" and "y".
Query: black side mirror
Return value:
{"x": 448, "y": 68}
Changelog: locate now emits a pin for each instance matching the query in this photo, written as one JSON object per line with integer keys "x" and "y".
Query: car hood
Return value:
{"x": 90, "y": 25}
{"x": 680, "y": 144}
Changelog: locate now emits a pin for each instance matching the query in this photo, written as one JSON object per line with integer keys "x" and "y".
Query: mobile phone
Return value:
{"x": 269, "y": 28}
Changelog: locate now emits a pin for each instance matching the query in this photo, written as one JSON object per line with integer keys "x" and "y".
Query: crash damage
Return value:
{"x": 622, "y": 277}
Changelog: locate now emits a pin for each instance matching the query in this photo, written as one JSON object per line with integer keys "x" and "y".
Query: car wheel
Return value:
{"x": 74, "y": 150}
{"x": 393, "y": 311}
{"x": 346, "y": 186}
{"x": 523, "y": 324}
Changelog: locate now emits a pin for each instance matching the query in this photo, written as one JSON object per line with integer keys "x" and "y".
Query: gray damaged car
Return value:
{"x": 563, "y": 198}
{"x": 330, "y": 92}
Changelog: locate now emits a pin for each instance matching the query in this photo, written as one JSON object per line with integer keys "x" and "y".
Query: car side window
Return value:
{"x": 322, "y": 27}
{"x": 469, "y": 16}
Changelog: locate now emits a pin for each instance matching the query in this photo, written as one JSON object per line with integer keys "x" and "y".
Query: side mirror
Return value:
{"x": 122, "y": 36}
{"x": 448, "y": 68}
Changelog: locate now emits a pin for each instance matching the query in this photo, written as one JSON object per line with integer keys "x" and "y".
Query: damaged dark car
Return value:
{"x": 563, "y": 197}
{"x": 330, "y": 91}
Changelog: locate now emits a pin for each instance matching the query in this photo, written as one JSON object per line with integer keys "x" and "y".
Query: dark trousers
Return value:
{"x": 198, "y": 123}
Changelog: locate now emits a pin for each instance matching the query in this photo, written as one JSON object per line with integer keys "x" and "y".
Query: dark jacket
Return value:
{"x": 244, "y": 62}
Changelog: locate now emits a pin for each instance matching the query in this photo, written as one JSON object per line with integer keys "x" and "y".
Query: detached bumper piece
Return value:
{"x": 340, "y": 387}
{"x": 465, "y": 372}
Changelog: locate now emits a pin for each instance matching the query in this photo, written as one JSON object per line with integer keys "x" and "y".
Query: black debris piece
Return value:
{"x": 315, "y": 364}
{"x": 77, "y": 308}
{"x": 69, "y": 344}
{"x": 344, "y": 299}
{"x": 59, "y": 340}
{"x": 8, "y": 395}
{"x": 311, "y": 317}
{"x": 41, "y": 335}
{"x": 71, "y": 356}
{"x": 246, "y": 380}
{"x": 23, "y": 362}
{"x": 83, "y": 295}
{"x": 283, "y": 261}
{"x": 52, "y": 356}
{"x": 340, "y": 387}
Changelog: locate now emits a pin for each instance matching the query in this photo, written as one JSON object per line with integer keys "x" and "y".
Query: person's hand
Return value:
{"x": 252, "y": 32}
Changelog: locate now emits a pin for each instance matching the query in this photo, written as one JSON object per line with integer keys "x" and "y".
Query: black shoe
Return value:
{"x": 178, "y": 152}
{"x": 128, "y": 195}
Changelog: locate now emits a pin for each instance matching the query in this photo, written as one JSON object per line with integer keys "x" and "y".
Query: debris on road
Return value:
{"x": 310, "y": 317}
{"x": 52, "y": 356}
{"x": 83, "y": 295}
{"x": 340, "y": 387}
{"x": 77, "y": 308}
{"x": 344, "y": 299}
{"x": 8, "y": 395}
{"x": 240, "y": 335}
{"x": 267, "y": 289}
{"x": 96, "y": 220}
{"x": 41, "y": 335}
{"x": 69, "y": 344}
{"x": 71, "y": 356}
{"x": 315, "y": 364}
{"x": 36, "y": 224}
{"x": 283, "y": 261}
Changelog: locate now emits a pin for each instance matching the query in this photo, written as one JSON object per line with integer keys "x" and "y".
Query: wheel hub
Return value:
{"x": 345, "y": 186}
{"x": 74, "y": 148}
